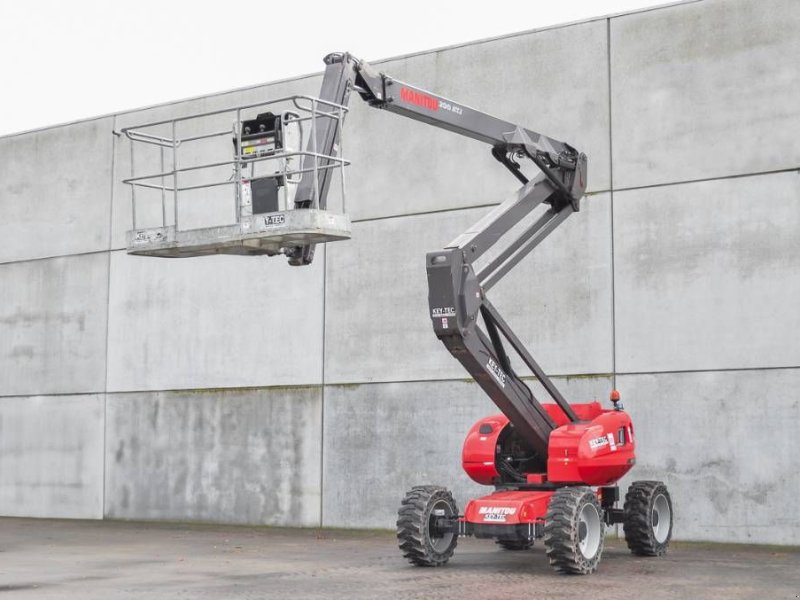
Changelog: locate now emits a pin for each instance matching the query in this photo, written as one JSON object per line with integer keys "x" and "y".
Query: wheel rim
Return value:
{"x": 589, "y": 530}
{"x": 661, "y": 518}
{"x": 439, "y": 541}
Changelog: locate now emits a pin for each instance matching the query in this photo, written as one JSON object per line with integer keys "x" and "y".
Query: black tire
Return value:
{"x": 648, "y": 518}
{"x": 515, "y": 545}
{"x": 574, "y": 531}
{"x": 416, "y": 533}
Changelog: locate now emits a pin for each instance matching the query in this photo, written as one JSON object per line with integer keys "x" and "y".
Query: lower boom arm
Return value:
{"x": 457, "y": 297}
{"x": 457, "y": 292}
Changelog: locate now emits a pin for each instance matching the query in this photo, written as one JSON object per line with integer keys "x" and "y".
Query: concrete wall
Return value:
{"x": 243, "y": 390}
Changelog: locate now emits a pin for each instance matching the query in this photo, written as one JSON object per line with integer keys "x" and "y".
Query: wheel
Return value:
{"x": 648, "y": 518}
{"x": 515, "y": 545}
{"x": 574, "y": 531}
{"x": 420, "y": 540}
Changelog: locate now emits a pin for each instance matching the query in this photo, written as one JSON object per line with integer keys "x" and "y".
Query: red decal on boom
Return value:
{"x": 418, "y": 98}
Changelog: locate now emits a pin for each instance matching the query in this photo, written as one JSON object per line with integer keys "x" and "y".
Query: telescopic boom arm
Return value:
{"x": 457, "y": 292}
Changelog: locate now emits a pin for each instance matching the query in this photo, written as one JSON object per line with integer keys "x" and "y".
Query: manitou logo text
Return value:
{"x": 418, "y": 98}
{"x": 496, "y": 513}
{"x": 497, "y": 372}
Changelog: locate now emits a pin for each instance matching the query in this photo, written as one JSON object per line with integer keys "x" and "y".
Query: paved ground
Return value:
{"x": 111, "y": 560}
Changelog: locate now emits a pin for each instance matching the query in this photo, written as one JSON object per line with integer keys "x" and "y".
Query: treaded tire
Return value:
{"x": 417, "y": 541}
{"x": 574, "y": 531}
{"x": 515, "y": 545}
{"x": 647, "y": 504}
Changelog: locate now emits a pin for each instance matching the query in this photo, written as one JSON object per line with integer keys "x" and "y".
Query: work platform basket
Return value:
{"x": 247, "y": 180}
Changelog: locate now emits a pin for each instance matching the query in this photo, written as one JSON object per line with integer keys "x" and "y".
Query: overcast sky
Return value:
{"x": 66, "y": 60}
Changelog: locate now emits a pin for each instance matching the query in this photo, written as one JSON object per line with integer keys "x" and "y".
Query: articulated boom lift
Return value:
{"x": 554, "y": 466}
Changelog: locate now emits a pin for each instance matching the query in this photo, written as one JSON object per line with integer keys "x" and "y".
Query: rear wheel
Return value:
{"x": 648, "y": 518}
{"x": 421, "y": 539}
{"x": 574, "y": 531}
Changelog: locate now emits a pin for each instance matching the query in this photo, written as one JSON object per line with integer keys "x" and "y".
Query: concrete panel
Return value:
{"x": 243, "y": 456}
{"x": 382, "y": 439}
{"x": 707, "y": 275}
{"x": 726, "y": 444}
{"x": 553, "y": 81}
{"x": 703, "y": 90}
{"x": 53, "y": 325}
{"x": 558, "y": 300}
{"x": 51, "y": 456}
{"x": 55, "y": 191}
{"x": 216, "y": 321}
{"x": 197, "y": 208}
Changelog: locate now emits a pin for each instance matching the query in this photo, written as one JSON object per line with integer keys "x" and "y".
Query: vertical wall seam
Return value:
{"x": 108, "y": 309}
{"x": 322, "y": 396}
{"x": 611, "y": 208}
{"x": 611, "y": 195}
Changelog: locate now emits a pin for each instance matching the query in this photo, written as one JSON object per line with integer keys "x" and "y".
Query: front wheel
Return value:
{"x": 421, "y": 540}
{"x": 648, "y": 518}
{"x": 574, "y": 531}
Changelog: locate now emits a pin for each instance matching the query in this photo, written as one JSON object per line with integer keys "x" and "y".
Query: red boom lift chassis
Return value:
{"x": 553, "y": 466}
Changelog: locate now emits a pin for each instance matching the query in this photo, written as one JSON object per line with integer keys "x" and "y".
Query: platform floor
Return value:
{"x": 108, "y": 560}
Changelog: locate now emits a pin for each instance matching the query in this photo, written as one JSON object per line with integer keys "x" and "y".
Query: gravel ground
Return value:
{"x": 114, "y": 560}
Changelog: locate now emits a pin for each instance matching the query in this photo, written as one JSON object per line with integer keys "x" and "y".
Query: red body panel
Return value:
{"x": 596, "y": 451}
{"x": 507, "y": 508}
{"x": 478, "y": 453}
{"x": 585, "y": 412}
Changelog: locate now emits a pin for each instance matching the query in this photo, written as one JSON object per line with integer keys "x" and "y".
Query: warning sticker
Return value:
{"x": 598, "y": 443}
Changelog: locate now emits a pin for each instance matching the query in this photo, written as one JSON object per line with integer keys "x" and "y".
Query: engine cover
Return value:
{"x": 597, "y": 450}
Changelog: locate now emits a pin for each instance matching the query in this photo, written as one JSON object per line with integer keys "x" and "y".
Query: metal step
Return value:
{"x": 260, "y": 234}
